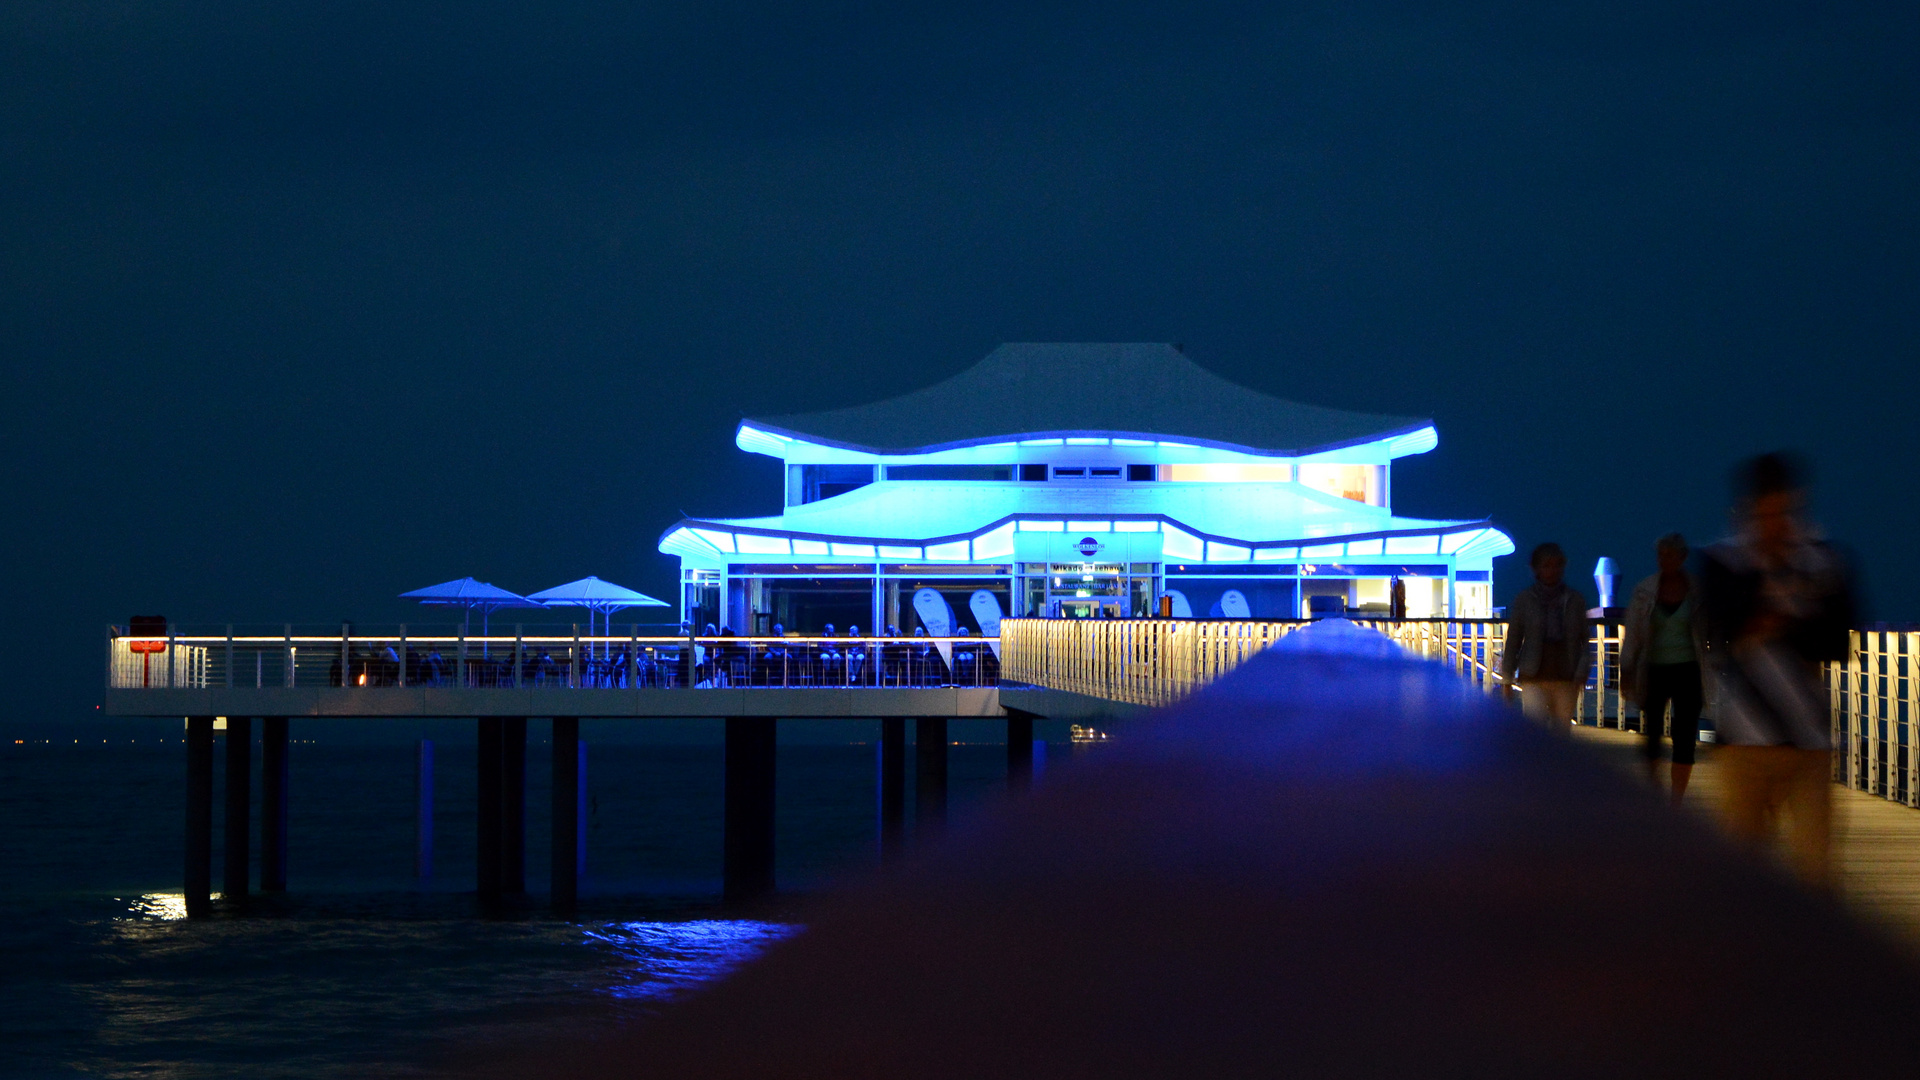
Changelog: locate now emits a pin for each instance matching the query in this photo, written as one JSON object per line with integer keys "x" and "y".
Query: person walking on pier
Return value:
{"x": 1778, "y": 602}
{"x": 1660, "y": 659}
{"x": 1546, "y": 646}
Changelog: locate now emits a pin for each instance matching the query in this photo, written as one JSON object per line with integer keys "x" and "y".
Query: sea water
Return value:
{"x": 361, "y": 968}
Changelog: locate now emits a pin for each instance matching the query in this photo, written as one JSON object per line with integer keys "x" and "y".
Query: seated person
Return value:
{"x": 833, "y": 666}
{"x": 856, "y": 655}
{"x": 965, "y": 669}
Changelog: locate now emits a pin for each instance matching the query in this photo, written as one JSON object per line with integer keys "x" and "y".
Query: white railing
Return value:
{"x": 1138, "y": 661}
{"x": 1875, "y": 692}
{"x": 546, "y": 658}
{"x": 1876, "y": 702}
{"x": 178, "y": 665}
{"x": 1158, "y": 661}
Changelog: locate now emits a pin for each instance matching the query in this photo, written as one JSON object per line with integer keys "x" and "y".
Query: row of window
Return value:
{"x": 1361, "y": 483}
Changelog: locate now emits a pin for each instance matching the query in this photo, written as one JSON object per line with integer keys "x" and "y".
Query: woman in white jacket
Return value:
{"x": 1660, "y": 659}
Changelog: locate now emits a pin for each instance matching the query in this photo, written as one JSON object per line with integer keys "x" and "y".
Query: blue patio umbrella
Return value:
{"x": 596, "y": 596}
{"x": 470, "y": 594}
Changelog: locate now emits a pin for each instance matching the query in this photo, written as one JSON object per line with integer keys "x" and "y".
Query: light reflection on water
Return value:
{"x": 361, "y": 971}
{"x": 162, "y": 906}
{"x": 668, "y": 957}
{"x": 362, "y": 987}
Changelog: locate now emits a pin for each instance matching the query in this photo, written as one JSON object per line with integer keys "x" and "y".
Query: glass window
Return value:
{"x": 1426, "y": 597}
{"x": 957, "y": 592}
{"x": 806, "y": 605}
{"x": 1475, "y": 599}
{"x": 700, "y": 597}
{"x": 1225, "y": 474}
{"x": 1361, "y": 483}
{"x": 816, "y": 482}
{"x": 1267, "y": 597}
{"x": 1371, "y": 596}
{"x": 949, "y": 472}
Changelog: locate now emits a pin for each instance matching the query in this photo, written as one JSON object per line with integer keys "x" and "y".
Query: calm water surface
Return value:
{"x": 361, "y": 970}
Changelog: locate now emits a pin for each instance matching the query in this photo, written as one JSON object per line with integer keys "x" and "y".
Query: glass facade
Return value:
{"x": 1082, "y": 522}
{"x": 806, "y": 599}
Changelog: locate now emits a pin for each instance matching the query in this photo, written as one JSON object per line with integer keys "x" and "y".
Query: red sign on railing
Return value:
{"x": 147, "y": 627}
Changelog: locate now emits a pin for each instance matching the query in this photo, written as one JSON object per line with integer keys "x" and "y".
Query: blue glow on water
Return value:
{"x": 362, "y": 971}
{"x": 666, "y": 958}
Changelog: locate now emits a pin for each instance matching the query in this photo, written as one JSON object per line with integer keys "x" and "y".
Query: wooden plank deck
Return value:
{"x": 1876, "y": 843}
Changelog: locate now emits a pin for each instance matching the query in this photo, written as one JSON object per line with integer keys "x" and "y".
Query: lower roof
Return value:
{"x": 1268, "y": 518}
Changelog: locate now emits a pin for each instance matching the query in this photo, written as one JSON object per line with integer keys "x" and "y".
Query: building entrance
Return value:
{"x": 1089, "y": 590}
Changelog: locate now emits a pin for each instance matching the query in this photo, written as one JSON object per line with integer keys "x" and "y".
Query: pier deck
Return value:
{"x": 648, "y": 702}
{"x": 1876, "y": 843}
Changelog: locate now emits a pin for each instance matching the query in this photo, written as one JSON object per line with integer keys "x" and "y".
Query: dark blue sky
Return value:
{"x": 306, "y": 304}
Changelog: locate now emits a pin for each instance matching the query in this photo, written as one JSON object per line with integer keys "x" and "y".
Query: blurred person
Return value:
{"x": 1546, "y": 646}
{"x": 1660, "y": 659}
{"x": 1778, "y": 602}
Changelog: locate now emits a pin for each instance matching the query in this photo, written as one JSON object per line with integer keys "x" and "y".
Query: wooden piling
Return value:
{"x": 564, "y": 875}
{"x": 198, "y": 883}
{"x": 930, "y": 775}
{"x": 513, "y": 805}
{"x": 236, "y": 871}
{"x": 423, "y": 812}
{"x": 747, "y": 863}
{"x": 1019, "y": 750}
{"x": 487, "y": 810}
{"x": 273, "y": 804}
{"x": 892, "y": 785}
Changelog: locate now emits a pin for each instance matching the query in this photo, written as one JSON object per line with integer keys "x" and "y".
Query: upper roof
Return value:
{"x": 1035, "y": 390}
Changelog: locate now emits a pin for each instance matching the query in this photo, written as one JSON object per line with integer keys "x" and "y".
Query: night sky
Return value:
{"x": 305, "y": 304}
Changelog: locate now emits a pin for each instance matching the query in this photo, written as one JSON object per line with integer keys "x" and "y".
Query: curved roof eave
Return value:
{"x": 1413, "y": 426}
{"x": 1430, "y": 528}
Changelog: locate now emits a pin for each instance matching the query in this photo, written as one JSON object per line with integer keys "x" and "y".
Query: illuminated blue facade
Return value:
{"x": 1079, "y": 481}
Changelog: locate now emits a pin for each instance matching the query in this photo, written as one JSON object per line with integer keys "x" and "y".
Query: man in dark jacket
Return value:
{"x": 1778, "y": 602}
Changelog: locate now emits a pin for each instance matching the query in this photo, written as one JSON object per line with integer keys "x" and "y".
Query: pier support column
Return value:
{"x": 235, "y": 871}
{"x": 893, "y": 784}
{"x": 1019, "y": 750}
{"x": 487, "y": 811}
{"x": 930, "y": 775}
{"x": 747, "y": 865}
{"x": 423, "y": 811}
{"x": 198, "y": 885}
{"x": 273, "y": 804}
{"x": 513, "y": 805}
{"x": 564, "y": 881}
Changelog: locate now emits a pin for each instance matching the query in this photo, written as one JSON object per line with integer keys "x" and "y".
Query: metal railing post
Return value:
{"x": 513, "y": 679}
{"x": 401, "y": 678}
{"x": 346, "y": 655}
{"x": 229, "y": 656}
{"x": 286, "y": 677}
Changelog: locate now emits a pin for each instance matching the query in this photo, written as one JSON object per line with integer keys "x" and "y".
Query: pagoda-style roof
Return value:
{"x": 1049, "y": 390}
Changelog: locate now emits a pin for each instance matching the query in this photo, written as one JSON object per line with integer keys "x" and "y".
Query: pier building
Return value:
{"x": 1079, "y": 480}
